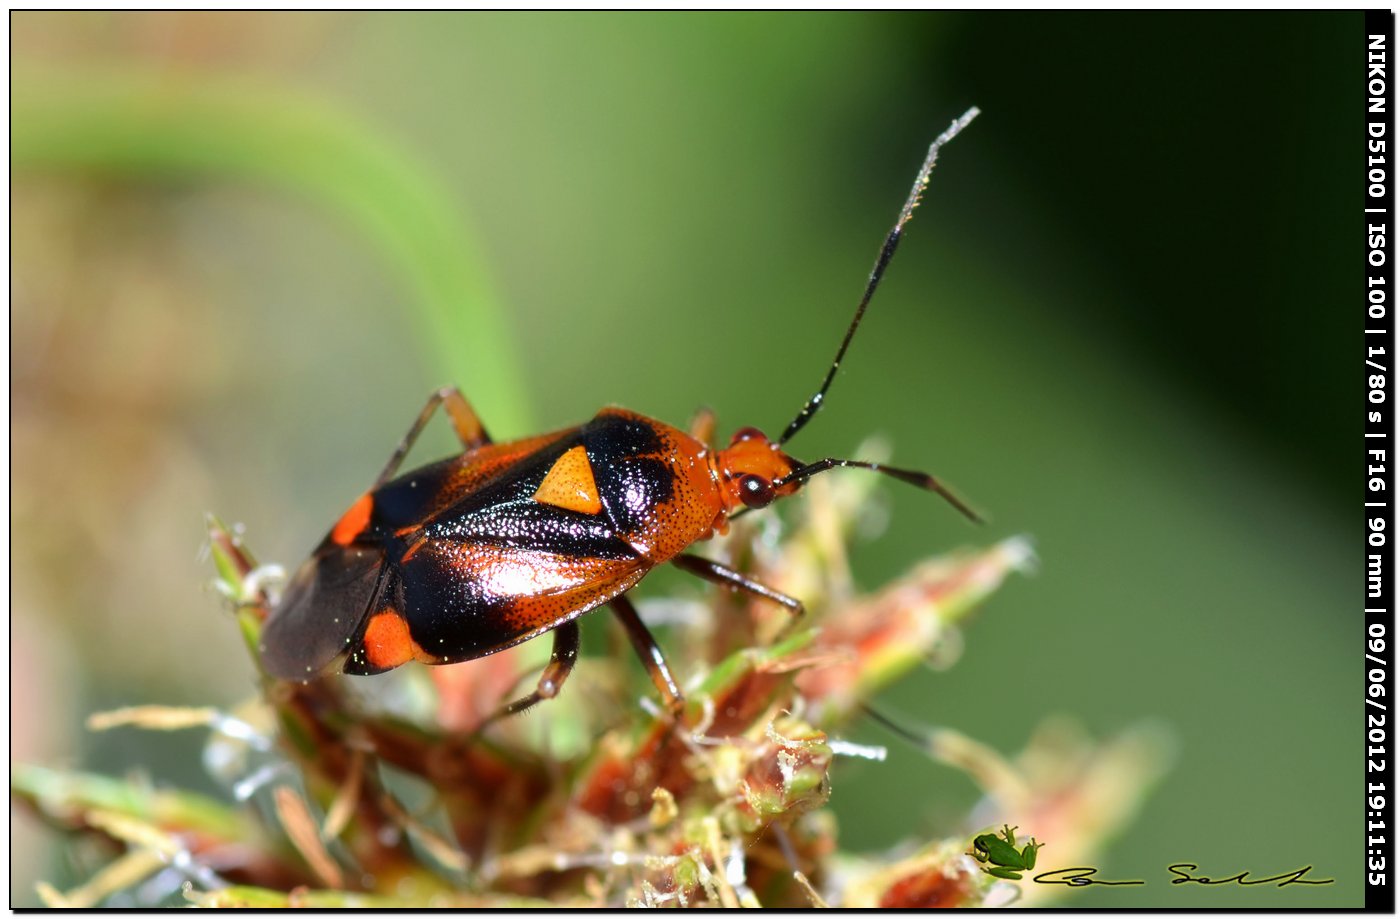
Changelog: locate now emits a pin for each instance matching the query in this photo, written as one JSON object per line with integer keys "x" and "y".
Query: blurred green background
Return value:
{"x": 1118, "y": 324}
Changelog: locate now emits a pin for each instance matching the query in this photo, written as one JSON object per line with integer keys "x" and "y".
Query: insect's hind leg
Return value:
{"x": 470, "y": 431}
{"x": 650, "y": 653}
{"x": 561, "y": 664}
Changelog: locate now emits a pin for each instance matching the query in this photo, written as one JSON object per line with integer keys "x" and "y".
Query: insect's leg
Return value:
{"x": 650, "y": 653}
{"x": 702, "y": 425}
{"x": 468, "y": 426}
{"x": 728, "y": 577}
{"x": 561, "y": 663}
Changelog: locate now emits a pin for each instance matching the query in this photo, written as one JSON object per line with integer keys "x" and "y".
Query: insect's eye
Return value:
{"x": 755, "y": 491}
{"x": 747, "y": 434}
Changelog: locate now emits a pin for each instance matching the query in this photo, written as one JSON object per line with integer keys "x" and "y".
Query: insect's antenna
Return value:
{"x": 895, "y": 727}
{"x": 920, "y": 479}
{"x": 883, "y": 259}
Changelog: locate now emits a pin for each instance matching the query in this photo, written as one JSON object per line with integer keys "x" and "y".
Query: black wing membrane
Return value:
{"x": 321, "y": 611}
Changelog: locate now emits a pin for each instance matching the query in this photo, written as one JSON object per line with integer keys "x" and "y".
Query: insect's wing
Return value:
{"x": 471, "y": 555}
{"x": 420, "y": 496}
{"x": 320, "y": 611}
{"x": 459, "y": 600}
{"x": 330, "y": 599}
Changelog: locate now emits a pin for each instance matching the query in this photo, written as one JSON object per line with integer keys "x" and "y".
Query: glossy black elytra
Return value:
{"x": 506, "y": 541}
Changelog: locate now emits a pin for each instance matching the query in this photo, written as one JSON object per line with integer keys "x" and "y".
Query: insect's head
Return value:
{"x": 753, "y": 472}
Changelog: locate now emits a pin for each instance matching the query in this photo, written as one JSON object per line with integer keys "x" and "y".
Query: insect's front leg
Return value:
{"x": 725, "y": 576}
{"x": 702, "y": 425}
{"x": 470, "y": 431}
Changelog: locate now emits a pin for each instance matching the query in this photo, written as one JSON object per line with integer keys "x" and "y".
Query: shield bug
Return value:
{"x": 506, "y": 541}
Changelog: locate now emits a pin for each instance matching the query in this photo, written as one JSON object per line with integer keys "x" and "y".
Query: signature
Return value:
{"x": 1182, "y": 871}
{"x": 1077, "y": 877}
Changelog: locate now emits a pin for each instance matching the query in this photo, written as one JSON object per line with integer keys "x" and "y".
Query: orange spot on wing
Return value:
{"x": 354, "y": 521}
{"x": 387, "y": 641}
{"x": 569, "y": 484}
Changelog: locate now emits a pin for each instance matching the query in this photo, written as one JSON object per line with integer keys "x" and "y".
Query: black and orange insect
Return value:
{"x": 506, "y": 541}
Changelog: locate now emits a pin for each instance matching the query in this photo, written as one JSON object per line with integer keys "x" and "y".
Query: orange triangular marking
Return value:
{"x": 570, "y": 484}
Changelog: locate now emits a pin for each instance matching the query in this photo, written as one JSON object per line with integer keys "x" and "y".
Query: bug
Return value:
{"x": 504, "y": 542}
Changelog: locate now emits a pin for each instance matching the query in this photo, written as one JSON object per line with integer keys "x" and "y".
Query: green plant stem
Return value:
{"x": 69, "y": 796}
{"x": 157, "y": 128}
